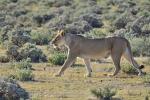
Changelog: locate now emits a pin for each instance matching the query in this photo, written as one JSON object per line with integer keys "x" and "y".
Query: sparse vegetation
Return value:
{"x": 26, "y": 27}
{"x": 24, "y": 75}
{"x": 57, "y": 58}
{"x": 146, "y": 78}
{"x": 128, "y": 69}
{"x": 11, "y": 90}
{"x": 105, "y": 93}
{"x": 46, "y": 85}
{"x": 23, "y": 70}
{"x": 40, "y": 38}
{"x": 23, "y": 64}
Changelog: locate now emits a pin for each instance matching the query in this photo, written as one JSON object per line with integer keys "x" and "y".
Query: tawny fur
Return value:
{"x": 79, "y": 46}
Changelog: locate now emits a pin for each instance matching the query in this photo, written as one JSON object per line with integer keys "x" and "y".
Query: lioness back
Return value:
{"x": 96, "y": 48}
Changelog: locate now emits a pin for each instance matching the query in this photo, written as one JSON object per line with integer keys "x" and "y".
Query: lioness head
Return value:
{"x": 58, "y": 40}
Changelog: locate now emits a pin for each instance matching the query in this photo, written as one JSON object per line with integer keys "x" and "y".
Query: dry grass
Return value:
{"x": 74, "y": 86}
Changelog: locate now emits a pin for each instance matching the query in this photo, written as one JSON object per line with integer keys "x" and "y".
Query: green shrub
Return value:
{"x": 96, "y": 33}
{"x": 93, "y": 19}
{"x": 31, "y": 51}
{"x": 105, "y": 93}
{"x": 57, "y": 58}
{"x": 23, "y": 70}
{"x": 19, "y": 37}
{"x": 40, "y": 39}
{"x": 12, "y": 51}
{"x": 144, "y": 13}
{"x": 78, "y": 27}
{"x": 58, "y": 3}
{"x": 145, "y": 29}
{"x": 128, "y": 69}
{"x": 20, "y": 12}
{"x": 140, "y": 26}
{"x": 28, "y": 50}
{"x": 24, "y": 75}
{"x": 11, "y": 90}
{"x": 140, "y": 46}
{"x": 4, "y": 59}
{"x": 24, "y": 64}
{"x": 122, "y": 20}
{"x": 42, "y": 18}
{"x": 146, "y": 78}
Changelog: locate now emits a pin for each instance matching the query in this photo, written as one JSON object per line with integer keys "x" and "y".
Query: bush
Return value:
{"x": 140, "y": 46}
{"x": 23, "y": 70}
{"x": 93, "y": 19}
{"x": 20, "y": 12}
{"x": 40, "y": 39}
{"x": 42, "y": 19}
{"x": 105, "y": 93}
{"x": 27, "y": 51}
{"x": 19, "y": 37}
{"x": 122, "y": 20}
{"x": 11, "y": 90}
{"x": 57, "y": 58}
{"x": 96, "y": 33}
{"x": 24, "y": 75}
{"x": 128, "y": 69}
{"x": 12, "y": 51}
{"x": 78, "y": 27}
{"x": 4, "y": 59}
{"x": 85, "y": 8}
{"x": 140, "y": 26}
{"x": 58, "y": 3}
{"x": 24, "y": 64}
{"x": 121, "y": 32}
{"x": 145, "y": 29}
{"x": 31, "y": 51}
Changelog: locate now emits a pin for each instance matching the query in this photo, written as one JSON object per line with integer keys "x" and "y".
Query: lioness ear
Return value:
{"x": 62, "y": 32}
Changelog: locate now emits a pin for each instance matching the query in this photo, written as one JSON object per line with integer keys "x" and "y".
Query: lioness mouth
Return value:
{"x": 56, "y": 47}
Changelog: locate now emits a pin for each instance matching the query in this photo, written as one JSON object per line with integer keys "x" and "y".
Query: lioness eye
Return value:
{"x": 57, "y": 38}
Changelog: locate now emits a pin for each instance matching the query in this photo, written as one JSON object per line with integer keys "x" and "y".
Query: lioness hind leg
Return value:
{"x": 88, "y": 67}
{"x": 116, "y": 60}
{"x": 127, "y": 54}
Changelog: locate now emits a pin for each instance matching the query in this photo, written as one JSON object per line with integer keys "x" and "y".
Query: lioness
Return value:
{"x": 79, "y": 46}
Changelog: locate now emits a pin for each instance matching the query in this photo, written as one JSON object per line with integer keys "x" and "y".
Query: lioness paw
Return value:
{"x": 57, "y": 75}
{"x": 87, "y": 75}
{"x": 142, "y": 74}
{"x": 110, "y": 75}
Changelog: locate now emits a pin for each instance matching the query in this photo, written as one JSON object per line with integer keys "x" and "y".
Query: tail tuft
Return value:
{"x": 141, "y": 67}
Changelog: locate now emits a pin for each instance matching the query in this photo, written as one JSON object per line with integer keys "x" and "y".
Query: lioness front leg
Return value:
{"x": 88, "y": 67}
{"x": 116, "y": 60}
{"x": 70, "y": 59}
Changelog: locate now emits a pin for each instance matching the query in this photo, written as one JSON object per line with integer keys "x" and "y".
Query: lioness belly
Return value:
{"x": 95, "y": 55}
